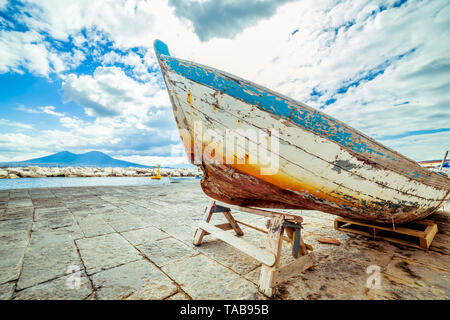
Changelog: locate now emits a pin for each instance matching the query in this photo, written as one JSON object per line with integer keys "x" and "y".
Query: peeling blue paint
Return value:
{"x": 415, "y": 174}
{"x": 313, "y": 121}
{"x": 161, "y": 48}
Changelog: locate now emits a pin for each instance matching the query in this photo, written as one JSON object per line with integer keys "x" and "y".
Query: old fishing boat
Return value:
{"x": 322, "y": 163}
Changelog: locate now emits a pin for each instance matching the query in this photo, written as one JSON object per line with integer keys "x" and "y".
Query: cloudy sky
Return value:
{"x": 82, "y": 75}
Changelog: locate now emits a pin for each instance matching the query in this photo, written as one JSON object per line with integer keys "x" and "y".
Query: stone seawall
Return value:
{"x": 42, "y": 172}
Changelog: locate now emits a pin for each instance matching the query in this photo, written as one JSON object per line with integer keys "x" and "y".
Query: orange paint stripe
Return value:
{"x": 279, "y": 179}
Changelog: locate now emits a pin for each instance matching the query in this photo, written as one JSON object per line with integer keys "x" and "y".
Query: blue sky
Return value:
{"x": 82, "y": 76}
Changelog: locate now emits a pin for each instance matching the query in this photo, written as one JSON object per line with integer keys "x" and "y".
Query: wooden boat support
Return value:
{"x": 417, "y": 234}
{"x": 272, "y": 274}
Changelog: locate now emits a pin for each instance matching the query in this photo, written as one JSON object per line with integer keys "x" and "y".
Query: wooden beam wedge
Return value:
{"x": 233, "y": 223}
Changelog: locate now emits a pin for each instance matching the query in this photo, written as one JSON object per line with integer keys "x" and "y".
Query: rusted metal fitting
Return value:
{"x": 296, "y": 225}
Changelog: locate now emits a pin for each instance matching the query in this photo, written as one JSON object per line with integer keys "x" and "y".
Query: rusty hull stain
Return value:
{"x": 231, "y": 185}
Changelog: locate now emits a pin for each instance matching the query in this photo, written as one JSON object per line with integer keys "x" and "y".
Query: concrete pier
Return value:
{"x": 135, "y": 242}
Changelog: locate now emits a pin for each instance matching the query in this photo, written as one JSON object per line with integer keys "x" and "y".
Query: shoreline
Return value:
{"x": 85, "y": 172}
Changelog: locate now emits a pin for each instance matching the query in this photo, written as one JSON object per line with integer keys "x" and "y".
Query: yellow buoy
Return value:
{"x": 158, "y": 176}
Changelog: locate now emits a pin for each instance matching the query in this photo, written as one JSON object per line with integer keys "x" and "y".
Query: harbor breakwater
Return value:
{"x": 42, "y": 172}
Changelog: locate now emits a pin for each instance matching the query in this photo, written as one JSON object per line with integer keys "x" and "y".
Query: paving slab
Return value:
{"x": 105, "y": 252}
{"x": 124, "y": 221}
{"x": 50, "y": 213}
{"x": 93, "y": 225}
{"x": 71, "y": 287}
{"x": 139, "y": 280}
{"x": 44, "y": 231}
{"x": 47, "y": 203}
{"x": 203, "y": 278}
{"x": 47, "y": 260}
{"x": 14, "y": 238}
{"x": 183, "y": 233}
{"x": 145, "y": 236}
{"x": 6, "y": 290}
{"x": 18, "y": 225}
{"x": 10, "y": 263}
{"x": 18, "y": 213}
{"x": 167, "y": 250}
{"x": 20, "y": 203}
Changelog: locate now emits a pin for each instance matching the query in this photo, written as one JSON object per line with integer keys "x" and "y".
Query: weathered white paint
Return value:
{"x": 304, "y": 157}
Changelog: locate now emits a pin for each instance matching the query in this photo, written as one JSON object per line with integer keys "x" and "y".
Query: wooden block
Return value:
{"x": 233, "y": 223}
{"x": 429, "y": 232}
{"x": 398, "y": 228}
{"x": 329, "y": 241}
{"x": 404, "y": 235}
{"x": 224, "y": 226}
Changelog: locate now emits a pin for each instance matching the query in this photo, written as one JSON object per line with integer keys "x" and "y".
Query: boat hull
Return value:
{"x": 322, "y": 164}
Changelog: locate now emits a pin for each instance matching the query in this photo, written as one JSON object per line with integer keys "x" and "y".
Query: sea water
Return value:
{"x": 55, "y": 182}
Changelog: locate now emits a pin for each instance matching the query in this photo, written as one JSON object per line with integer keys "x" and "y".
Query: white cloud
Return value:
{"x": 23, "y": 50}
{"x": 19, "y": 146}
{"x": 25, "y": 109}
{"x": 127, "y": 24}
{"x": 224, "y": 18}
{"x": 3, "y": 4}
{"x": 109, "y": 92}
{"x": 347, "y": 45}
{"x": 15, "y": 124}
{"x": 307, "y": 45}
{"x": 154, "y": 160}
{"x": 114, "y": 137}
{"x": 72, "y": 123}
{"x": 421, "y": 147}
{"x": 46, "y": 109}
{"x": 139, "y": 66}
{"x": 51, "y": 110}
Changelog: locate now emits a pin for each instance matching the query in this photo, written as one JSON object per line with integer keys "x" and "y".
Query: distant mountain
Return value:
{"x": 69, "y": 159}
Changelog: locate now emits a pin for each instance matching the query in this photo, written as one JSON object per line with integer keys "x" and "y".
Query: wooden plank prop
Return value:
{"x": 272, "y": 274}
{"x": 417, "y": 234}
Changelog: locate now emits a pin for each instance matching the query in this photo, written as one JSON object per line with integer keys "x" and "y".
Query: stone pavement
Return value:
{"x": 135, "y": 242}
